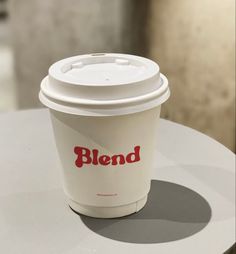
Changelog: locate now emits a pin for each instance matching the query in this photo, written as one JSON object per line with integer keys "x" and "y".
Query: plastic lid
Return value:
{"x": 104, "y": 84}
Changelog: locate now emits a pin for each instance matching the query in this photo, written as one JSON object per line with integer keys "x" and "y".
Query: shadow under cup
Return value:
{"x": 172, "y": 212}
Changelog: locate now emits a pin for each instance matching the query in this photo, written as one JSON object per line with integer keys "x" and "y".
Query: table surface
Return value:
{"x": 190, "y": 207}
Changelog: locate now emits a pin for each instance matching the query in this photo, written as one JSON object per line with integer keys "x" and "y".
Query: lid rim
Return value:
{"x": 105, "y": 112}
{"x": 163, "y": 87}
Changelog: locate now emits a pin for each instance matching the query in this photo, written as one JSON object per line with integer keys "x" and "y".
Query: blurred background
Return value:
{"x": 192, "y": 41}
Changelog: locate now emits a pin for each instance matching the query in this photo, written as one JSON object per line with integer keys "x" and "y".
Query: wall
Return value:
{"x": 194, "y": 43}
{"x": 46, "y": 31}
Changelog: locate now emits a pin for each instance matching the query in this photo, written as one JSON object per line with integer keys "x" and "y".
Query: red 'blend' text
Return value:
{"x": 87, "y": 156}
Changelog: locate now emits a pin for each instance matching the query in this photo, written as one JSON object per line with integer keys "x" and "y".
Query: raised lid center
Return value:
{"x": 105, "y": 70}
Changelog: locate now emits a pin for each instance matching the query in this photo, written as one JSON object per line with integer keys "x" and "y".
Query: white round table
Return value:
{"x": 190, "y": 208}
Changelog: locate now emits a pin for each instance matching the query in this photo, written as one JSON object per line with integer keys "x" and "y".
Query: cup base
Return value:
{"x": 108, "y": 212}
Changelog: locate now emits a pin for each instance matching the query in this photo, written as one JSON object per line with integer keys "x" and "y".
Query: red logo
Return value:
{"x": 87, "y": 156}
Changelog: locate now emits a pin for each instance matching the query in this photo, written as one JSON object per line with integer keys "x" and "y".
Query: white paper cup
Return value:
{"x": 105, "y": 110}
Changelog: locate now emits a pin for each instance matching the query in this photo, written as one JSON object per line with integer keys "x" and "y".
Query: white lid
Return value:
{"x": 103, "y": 85}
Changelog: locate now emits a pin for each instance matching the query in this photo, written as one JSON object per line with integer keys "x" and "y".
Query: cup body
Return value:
{"x": 106, "y": 161}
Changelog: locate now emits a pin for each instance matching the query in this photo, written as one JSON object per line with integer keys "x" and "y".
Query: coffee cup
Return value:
{"x": 105, "y": 110}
